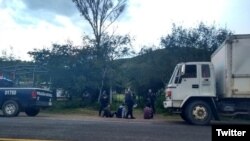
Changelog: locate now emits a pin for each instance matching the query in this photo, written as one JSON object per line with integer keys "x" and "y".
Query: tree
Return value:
{"x": 194, "y": 44}
{"x": 100, "y": 14}
{"x": 8, "y": 55}
{"x": 68, "y": 65}
{"x": 153, "y": 68}
{"x": 75, "y": 69}
{"x": 113, "y": 48}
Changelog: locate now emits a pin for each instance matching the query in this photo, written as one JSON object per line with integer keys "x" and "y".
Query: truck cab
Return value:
{"x": 200, "y": 91}
{"x": 190, "y": 81}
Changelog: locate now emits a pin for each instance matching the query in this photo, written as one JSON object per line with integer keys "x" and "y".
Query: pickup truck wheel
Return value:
{"x": 32, "y": 111}
{"x": 10, "y": 108}
{"x": 199, "y": 113}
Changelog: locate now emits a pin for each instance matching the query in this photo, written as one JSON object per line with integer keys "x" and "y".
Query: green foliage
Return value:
{"x": 69, "y": 66}
{"x": 159, "y": 101}
{"x": 119, "y": 98}
{"x": 194, "y": 44}
{"x": 100, "y": 14}
{"x": 68, "y": 104}
{"x": 153, "y": 68}
{"x": 79, "y": 68}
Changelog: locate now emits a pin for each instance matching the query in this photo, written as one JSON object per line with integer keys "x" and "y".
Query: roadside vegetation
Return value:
{"x": 108, "y": 62}
{"x": 76, "y": 71}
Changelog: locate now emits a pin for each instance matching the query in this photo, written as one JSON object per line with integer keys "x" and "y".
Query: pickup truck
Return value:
{"x": 14, "y": 100}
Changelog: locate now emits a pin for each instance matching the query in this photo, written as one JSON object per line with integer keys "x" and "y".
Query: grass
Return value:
{"x": 72, "y": 108}
{"x": 138, "y": 113}
{"x": 237, "y": 119}
{"x": 76, "y": 108}
{"x": 72, "y": 111}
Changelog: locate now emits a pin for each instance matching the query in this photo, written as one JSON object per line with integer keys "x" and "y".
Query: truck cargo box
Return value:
{"x": 232, "y": 67}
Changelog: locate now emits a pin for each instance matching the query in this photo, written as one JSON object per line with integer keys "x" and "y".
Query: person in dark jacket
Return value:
{"x": 103, "y": 102}
{"x": 129, "y": 101}
{"x": 151, "y": 97}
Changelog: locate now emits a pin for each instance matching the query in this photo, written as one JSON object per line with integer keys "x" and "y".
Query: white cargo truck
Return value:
{"x": 202, "y": 91}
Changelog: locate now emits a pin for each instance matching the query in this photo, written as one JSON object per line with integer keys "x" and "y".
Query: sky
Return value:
{"x": 26, "y": 25}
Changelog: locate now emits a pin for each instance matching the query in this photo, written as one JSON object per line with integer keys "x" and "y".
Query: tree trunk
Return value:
{"x": 102, "y": 83}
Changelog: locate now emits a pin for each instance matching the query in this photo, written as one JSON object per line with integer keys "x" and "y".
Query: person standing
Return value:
{"x": 104, "y": 101}
{"x": 129, "y": 101}
{"x": 151, "y": 97}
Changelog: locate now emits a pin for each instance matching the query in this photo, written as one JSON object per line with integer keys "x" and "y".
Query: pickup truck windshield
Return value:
{"x": 6, "y": 82}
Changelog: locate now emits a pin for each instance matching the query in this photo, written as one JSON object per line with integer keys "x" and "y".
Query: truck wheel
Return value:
{"x": 199, "y": 113}
{"x": 183, "y": 116}
{"x": 10, "y": 108}
{"x": 32, "y": 111}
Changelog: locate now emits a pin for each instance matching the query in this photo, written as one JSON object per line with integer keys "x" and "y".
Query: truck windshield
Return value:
{"x": 175, "y": 73}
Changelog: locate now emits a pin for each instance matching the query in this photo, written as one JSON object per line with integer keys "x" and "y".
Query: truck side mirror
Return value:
{"x": 183, "y": 69}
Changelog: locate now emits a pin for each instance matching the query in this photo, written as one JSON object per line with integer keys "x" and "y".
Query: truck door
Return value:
{"x": 188, "y": 84}
{"x": 206, "y": 82}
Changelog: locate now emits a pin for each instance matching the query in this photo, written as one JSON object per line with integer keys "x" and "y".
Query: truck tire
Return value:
{"x": 198, "y": 113}
{"x": 10, "y": 108}
{"x": 183, "y": 116}
{"x": 32, "y": 111}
